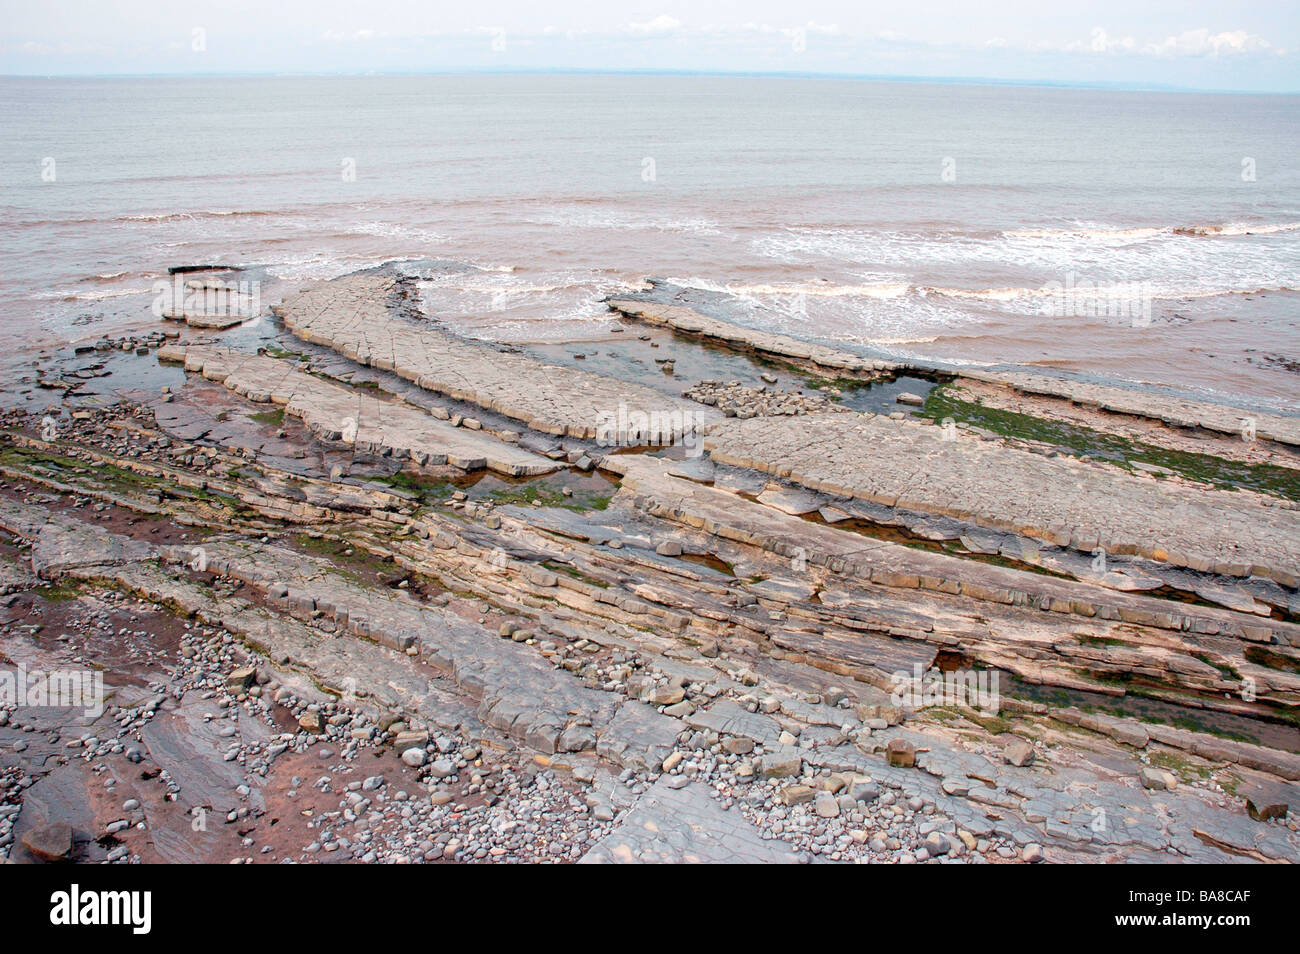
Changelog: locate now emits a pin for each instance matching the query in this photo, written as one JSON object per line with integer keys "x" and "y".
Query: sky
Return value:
{"x": 1247, "y": 46}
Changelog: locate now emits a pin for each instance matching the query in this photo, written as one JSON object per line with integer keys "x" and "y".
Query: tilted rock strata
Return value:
{"x": 691, "y": 322}
{"x": 1060, "y": 500}
{"x": 957, "y": 785}
{"x": 1174, "y": 411}
{"x": 1027, "y": 623}
{"x": 351, "y": 316}
{"x": 372, "y": 425}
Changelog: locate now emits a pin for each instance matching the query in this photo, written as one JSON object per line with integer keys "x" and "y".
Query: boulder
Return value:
{"x": 781, "y": 763}
{"x": 826, "y": 805}
{"x": 936, "y": 844}
{"x": 665, "y": 695}
{"x": 312, "y": 722}
{"x": 797, "y": 794}
{"x": 1018, "y": 752}
{"x": 240, "y": 679}
{"x": 50, "y": 843}
{"x": 900, "y": 753}
{"x": 1156, "y": 779}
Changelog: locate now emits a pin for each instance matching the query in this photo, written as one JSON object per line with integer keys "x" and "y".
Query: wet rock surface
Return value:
{"x": 322, "y": 639}
{"x": 351, "y": 317}
{"x": 1090, "y": 507}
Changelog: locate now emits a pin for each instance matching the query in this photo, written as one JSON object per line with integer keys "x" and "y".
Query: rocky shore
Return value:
{"x": 358, "y": 589}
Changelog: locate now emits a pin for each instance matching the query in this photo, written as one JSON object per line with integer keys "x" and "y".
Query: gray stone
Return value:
{"x": 900, "y": 753}
{"x": 1018, "y": 752}
{"x": 50, "y": 842}
{"x": 780, "y": 763}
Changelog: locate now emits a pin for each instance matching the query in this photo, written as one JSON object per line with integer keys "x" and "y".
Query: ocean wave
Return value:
{"x": 488, "y": 281}
{"x": 394, "y": 230}
{"x": 623, "y": 222}
{"x": 1237, "y": 229}
{"x": 195, "y": 215}
{"x": 105, "y": 277}
{"x": 982, "y": 294}
{"x": 1180, "y": 263}
{"x": 1091, "y": 232}
{"x": 319, "y": 268}
{"x": 925, "y": 339}
{"x": 994, "y": 296}
{"x": 796, "y": 289}
{"x": 68, "y": 296}
{"x": 143, "y": 217}
{"x": 1143, "y": 233}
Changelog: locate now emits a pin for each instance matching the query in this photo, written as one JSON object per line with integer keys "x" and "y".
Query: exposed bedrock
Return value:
{"x": 1062, "y": 501}
{"x": 635, "y": 657}
{"x": 1169, "y": 410}
{"x": 371, "y": 425}
{"x": 352, "y": 317}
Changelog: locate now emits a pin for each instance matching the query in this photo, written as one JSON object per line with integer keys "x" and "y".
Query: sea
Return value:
{"x": 1148, "y": 238}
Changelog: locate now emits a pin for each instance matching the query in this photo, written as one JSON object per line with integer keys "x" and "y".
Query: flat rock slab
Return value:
{"x": 1171, "y": 410}
{"x": 14, "y": 575}
{"x": 794, "y": 502}
{"x": 638, "y": 737}
{"x": 518, "y": 691}
{"x": 685, "y": 826}
{"x": 351, "y": 316}
{"x": 188, "y": 745}
{"x": 372, "y": 425}
{"x": 691, "y": 322}
{"x": 1060, "y": 500}
{"x": 728, "y": 718}
{"x": 62, "y": 546}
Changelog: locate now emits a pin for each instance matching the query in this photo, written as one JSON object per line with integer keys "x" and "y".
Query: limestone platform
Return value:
{"x": 1167, "y": 409}
{"x": 351, "y": 316}
{"x": 339, "y": 413}
{"x": 1061, "y": 500}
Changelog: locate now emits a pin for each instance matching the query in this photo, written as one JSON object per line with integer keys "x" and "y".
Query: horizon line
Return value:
{"x": 1117, "y": 86}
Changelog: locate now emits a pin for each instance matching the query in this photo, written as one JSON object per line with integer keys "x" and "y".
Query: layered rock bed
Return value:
{"x": 1166, "y": 409}
{"x": 377, "y": 593}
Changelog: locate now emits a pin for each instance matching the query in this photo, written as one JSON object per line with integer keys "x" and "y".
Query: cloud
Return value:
{"x": 1103, "y": 42}
{"x": 1203, "y": 43}
{"x": 659, "y": 25}
{"x": 1188, "y": 43}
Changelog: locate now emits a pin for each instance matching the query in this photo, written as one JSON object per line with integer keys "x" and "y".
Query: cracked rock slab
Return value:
{"x": 351, "y": 316}
{"x": 685, "y": 826}
{"x": 335, "y": 412}
{"x": 1059, "y": 500}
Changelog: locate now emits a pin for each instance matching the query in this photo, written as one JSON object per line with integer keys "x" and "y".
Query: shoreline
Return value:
{"x": 1111, "y": 393}
{"x": 424, "y": 547}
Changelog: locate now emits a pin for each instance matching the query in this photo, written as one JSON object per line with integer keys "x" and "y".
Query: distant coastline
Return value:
{"x": 936, "y": 80}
